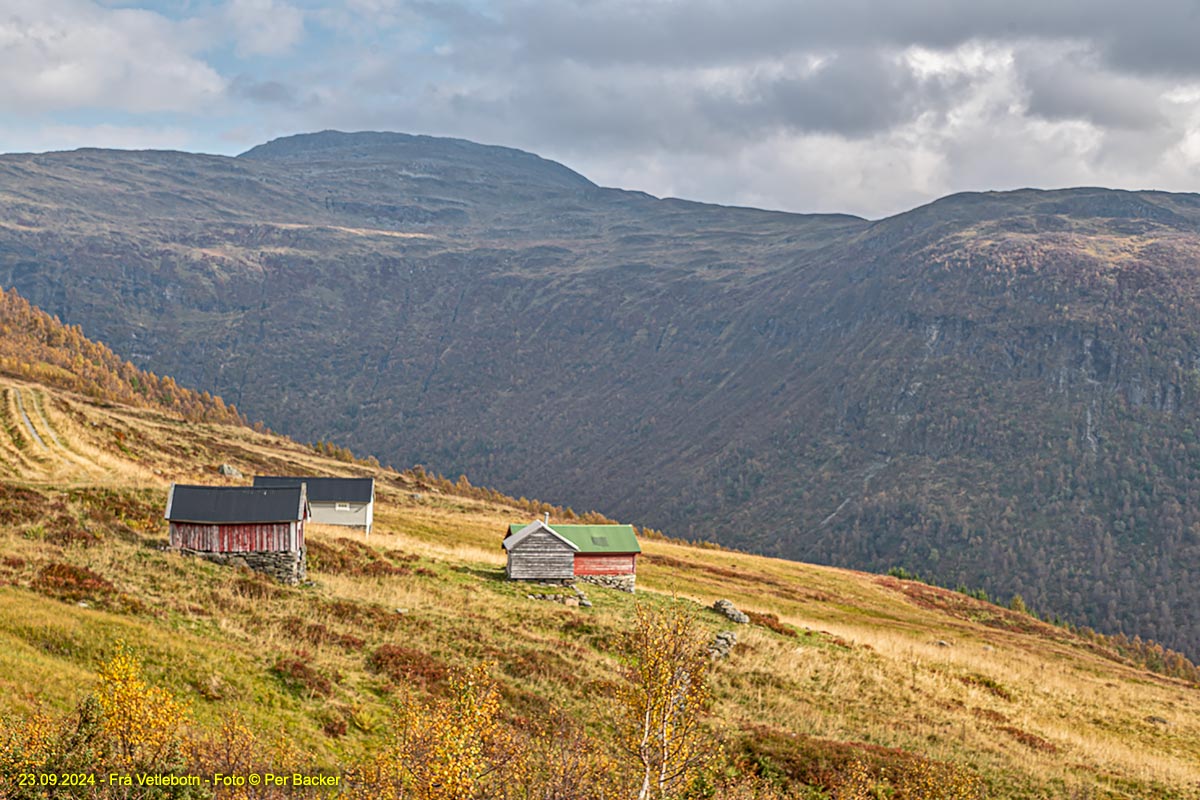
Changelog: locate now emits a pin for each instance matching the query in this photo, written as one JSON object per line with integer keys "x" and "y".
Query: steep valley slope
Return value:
{"x": 995, "y": 390}
{"x": 836, "y": 669}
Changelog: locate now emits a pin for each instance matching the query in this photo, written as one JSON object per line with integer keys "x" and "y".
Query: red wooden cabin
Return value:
{"x": 237, "y": 519}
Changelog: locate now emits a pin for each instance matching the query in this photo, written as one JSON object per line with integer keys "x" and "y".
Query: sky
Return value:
{"x": 868, "y": 107}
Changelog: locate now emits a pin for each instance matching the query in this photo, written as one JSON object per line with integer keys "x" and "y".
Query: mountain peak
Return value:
{"x": 385, "y": 147}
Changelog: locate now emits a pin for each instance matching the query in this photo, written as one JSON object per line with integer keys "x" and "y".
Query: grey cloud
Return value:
{"x": 1151, "y": 36}
{"x": 620, "y": 112}
{"x": 626, "y": 109}
{"x": 1155, "y": 39}
{"x": 264, "y": 92}
{"x": 720, "y": 101}
{"x": 852, "y": 94}
{"x": 855, "y": 95}
{"x": 1073, "y": 88}
{"x": 464, "y": 20}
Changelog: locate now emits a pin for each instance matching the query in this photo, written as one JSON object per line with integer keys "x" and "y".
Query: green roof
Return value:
{"x": 594, "y": 538}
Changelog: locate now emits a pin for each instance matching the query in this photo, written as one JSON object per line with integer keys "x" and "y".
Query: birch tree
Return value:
{"x": 663, "y": 699}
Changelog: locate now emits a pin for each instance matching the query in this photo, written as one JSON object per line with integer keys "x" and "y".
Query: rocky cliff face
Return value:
{"x": 996, "y": 389}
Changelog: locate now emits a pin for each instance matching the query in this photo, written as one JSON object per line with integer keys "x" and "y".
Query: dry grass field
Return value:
{"x": 835, "y": 663}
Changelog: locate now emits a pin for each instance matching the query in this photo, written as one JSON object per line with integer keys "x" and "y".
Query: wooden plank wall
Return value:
{"x": 543, "y": 557}
{"x": 604, "y": 564}
{"x": 247, "y": 538}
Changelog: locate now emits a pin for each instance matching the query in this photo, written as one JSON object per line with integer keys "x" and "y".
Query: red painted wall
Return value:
{"x": 603, "y": 564}
{"x": 270, "y": 537}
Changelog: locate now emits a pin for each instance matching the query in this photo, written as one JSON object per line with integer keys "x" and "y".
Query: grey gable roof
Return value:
{"x": 515, "y": 537}
{"x": 325, "y": 490}
{"x": 236, "y": 504}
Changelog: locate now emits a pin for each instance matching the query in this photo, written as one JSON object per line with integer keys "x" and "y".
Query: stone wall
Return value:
{"x": 288, "y": 566}
{"x": 625, "y": 583}
{"x": 544, "y": 582}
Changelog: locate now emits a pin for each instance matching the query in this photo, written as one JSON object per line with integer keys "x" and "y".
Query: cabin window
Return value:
{"x": 342, "y": 507}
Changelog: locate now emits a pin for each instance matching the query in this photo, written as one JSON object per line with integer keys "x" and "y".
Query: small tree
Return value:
{"x": 41, "y": 743}
{"x": 144, "y": 722}
{"x": 562, "y": 762}
{"x": 447, "y": 749}
{"x": 663, "y": 699}
{"x": 26, "y": 744}
{"x": 1018, "y": 604}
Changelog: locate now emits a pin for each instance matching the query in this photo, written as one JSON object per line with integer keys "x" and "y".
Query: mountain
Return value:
{"x": 997, "y": 390}
{"x": 841, "y": 679}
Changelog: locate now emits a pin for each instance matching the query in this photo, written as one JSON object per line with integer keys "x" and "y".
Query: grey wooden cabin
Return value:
{"x": 334, "y": 501}
{"x": 537, "y": 553}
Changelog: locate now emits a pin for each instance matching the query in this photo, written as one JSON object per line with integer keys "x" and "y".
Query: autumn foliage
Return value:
{"x": 452, "y": 748}
{"x": 38, "y": 347}
{"x": 144, "y": 723}
{"x": 124, "y": 725}
{"x": 663, "y": 701}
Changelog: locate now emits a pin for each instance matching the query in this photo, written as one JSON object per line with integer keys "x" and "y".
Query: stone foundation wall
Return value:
{"x": 625, "y": 583}
{"x": 288, "y": 566}
{"x": 546, "y": 581}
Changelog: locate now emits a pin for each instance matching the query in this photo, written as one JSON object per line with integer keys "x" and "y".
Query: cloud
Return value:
{"x": 264, "y": 27}
{"x": 873, "y": 134}
{"x": 861, "y": 105}
{"x": 124, "y": 137}
{"x": 1155, "y": 36}
{"x": 71, "y": 54}
{"x": 1073, "y": 86}
{"x": 265, "y": 92}
{"x": 851, "y": 93}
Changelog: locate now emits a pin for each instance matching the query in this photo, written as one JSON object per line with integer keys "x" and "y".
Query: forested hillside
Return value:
{"x": 38, "y": 347}
{"x": 997, "y": 390}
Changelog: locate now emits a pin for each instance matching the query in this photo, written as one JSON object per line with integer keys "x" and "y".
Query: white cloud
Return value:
{"x": 988, "y": 137}
{"x": 73, "y": 54}
{"x": 70, "y": 137}
{"x": 264, "y": 27}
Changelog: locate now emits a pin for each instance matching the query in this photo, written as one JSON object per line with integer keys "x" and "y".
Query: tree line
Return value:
{"x": 38, "y": 347}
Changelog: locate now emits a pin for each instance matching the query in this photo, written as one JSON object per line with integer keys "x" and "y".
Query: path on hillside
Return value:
{"x": 34, "y": 450}
{"x": 38, "y": 401}
{"x": 28, "y": 422}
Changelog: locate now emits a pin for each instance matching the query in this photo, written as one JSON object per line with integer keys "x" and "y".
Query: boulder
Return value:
{"x": 730, "y": 612}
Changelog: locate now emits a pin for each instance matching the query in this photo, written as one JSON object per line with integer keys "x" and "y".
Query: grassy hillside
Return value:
{"x": 839, "y": 667}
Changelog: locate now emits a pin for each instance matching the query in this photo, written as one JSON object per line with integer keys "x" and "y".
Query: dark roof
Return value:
{"x": 593, "y": 538}
{"x": 325, "y": 490}
{"x": 234, "y": 504}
